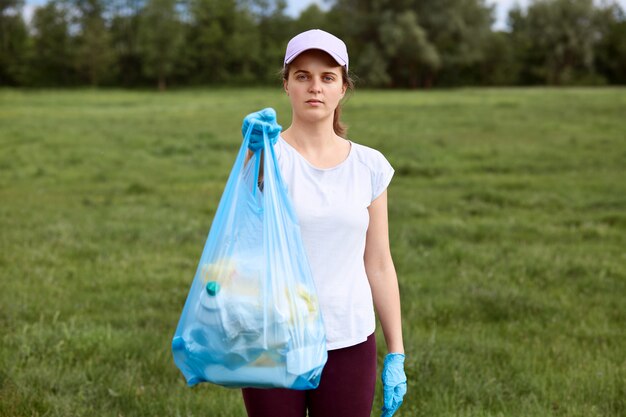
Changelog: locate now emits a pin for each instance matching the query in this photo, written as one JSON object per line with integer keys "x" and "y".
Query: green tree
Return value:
{"x": 459, "y": 30}
{"x": 51, "y": 63}
{"x": 310, "y": 18}
{"x": 223, "y": 42}
{"x": 246, "y": 58}
{"x": 206, "y": 51}
{"x": 557, "y": 39}
{"x": 358, "y": 23}
{"x": 371, "y": 66}
{"x": 412, "y": 57}
{"x": 94, "y": 54}
{"x": 611, "y": 49}
{"x": 447, "y": 37}
{"x": 124, "y": 32}
{"x": 521, "y": 45}
{"x": 500, "y": 64}
{"x": 13, "y": 43}
{"x": 275, "y": 29}
{"x": 160, "y": 38}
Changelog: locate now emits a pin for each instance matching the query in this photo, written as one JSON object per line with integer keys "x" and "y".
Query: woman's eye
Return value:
{"x": 301, "y": 77}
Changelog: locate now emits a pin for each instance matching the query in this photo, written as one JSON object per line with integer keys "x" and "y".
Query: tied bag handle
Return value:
{"x": 270, "y": 165}
{"x": 274, "y": 179}
{"x": 257, "y": 154}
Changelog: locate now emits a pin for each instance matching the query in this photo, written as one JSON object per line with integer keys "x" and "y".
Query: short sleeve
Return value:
{"x": 382, "y": 172}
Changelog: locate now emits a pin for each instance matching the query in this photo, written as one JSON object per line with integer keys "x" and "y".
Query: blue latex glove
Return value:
{"x": 261, "y": 120}
{"x": 394, "y": 383}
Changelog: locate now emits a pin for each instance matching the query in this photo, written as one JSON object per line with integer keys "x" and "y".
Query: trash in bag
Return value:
{"x": 252, "y": 317}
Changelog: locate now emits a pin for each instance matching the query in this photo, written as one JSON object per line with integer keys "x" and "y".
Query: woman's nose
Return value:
{"x": 315, "y": 86}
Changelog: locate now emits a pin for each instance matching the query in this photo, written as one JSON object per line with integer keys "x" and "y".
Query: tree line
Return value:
{"x": 392, "y": 43}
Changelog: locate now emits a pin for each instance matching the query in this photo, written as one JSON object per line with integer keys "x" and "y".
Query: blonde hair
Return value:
{"x": 340, "y": 128}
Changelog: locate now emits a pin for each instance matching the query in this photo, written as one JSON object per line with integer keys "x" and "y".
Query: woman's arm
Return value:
{"x": 381, "y": 274}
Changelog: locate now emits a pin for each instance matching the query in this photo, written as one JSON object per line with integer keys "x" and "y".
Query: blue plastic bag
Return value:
{"x": 252, "y": 318}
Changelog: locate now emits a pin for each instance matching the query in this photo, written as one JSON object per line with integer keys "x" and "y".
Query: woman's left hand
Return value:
{"x": 394, "y": 383}
{"x": 261, "y": 121}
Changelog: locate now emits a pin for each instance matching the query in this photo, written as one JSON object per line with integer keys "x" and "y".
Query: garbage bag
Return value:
{"x": 252, "y": 317}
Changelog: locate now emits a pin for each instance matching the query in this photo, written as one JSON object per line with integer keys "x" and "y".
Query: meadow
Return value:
{"x": 507, "y": 223}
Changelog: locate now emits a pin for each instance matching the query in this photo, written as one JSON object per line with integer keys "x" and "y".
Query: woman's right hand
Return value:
{"x": 262, "y": 120}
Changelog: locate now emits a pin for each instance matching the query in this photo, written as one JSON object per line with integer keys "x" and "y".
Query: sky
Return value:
{"x": 296, "y": 6}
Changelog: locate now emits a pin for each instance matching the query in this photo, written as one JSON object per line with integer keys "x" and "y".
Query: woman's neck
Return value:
{"x": 310, "y": 136}
{"x": 318, "y": 143}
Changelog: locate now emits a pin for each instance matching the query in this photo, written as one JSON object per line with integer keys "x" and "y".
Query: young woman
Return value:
{"x": 338, "y": 188}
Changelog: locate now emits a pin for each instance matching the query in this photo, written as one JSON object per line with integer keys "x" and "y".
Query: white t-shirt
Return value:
{"x": 331, "y": 205}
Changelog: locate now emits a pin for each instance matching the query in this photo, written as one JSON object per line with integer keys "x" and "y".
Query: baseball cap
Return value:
{"x": 317, "y": 39}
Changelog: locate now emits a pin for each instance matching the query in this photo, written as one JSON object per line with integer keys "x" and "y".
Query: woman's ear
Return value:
{"x": 286, "y": 86}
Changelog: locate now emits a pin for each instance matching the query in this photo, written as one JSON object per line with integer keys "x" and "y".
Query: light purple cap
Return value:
{"x": 317, "y": 39}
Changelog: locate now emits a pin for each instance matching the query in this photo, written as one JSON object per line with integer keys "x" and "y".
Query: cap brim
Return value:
{"x": 336, "y": 57}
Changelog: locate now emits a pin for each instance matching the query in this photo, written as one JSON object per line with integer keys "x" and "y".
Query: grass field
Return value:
{"x": 507, "y": 222}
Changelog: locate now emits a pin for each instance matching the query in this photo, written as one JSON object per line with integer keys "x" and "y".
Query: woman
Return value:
{"x": 338, "y": 188}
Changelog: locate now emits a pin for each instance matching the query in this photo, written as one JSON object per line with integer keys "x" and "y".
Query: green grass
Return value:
{"x": 507, "y": 222}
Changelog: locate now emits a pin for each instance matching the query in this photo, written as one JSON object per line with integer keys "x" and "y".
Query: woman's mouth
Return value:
{"x": 314, "y": 102}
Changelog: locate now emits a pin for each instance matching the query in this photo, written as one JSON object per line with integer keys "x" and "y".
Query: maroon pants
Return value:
{"x": 346, "y": 388}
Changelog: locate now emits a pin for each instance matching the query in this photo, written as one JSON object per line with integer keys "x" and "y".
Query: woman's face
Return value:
{"x": 314, "y": 85}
